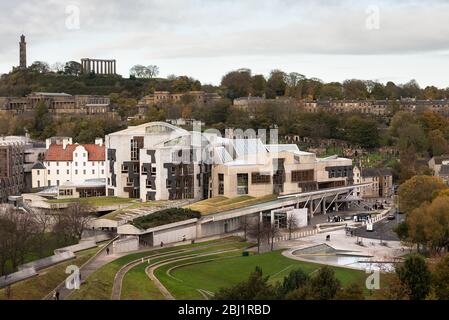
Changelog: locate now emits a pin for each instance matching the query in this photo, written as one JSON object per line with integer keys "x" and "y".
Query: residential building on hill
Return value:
{"x": 381, "y": 180}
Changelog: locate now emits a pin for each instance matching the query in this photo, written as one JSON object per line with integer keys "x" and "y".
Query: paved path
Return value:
{"x": 100, "y": 259}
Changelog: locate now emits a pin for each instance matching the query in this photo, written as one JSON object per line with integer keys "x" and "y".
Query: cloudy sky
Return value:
{"x": 328, "y": 39}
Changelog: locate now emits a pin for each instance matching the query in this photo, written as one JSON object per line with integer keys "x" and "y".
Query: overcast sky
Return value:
{"x": 331, "y": 40}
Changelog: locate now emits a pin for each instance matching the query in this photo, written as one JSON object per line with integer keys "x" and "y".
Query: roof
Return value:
{"x": 56, "y": 152}
{"x": 38, "y": 165}
{"x": 374, "y": 172}
{"x": 440, "y": 159}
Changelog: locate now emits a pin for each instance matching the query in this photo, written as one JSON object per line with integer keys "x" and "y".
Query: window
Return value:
{"x": 124, "y": 168}
{"x": 258, "y": 178}
{"x": 68, "y": 171}
{"x": 149, "y": 184}
{"x": 76, "y": 164}
{"x": 57, "y": 182}
{"x": 57, "y": 163}
{"x": 134, "y": 150}
{"x": 84, "y": 164}
{"x": 242, "y": 183}
{"x": 76, "y": 171}
{"x": 102, "y": 171}
{"x": 93, "y": 171}
{"x": 302, "y": 175}
{"x": 220, "y": 183}
{"x": 68, "y": 164}
{"x": 168, "y": 183}
{"x": 49, "y": 182}
{"x": 76, "y": 155}
{"x": 129, "y": 181}
{"x": 84, "y": 171}
{"x": 38, "y": 172}
{"x": 57, "y": 171}
{"x": 153, "y": 171}
{"x": 38, "y": 183}
{"x": 48, "y": 171}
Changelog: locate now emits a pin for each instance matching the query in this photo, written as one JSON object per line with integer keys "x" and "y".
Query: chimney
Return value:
{"x": 99, "y": 141}
{"x": 47, "y": 143}
{"x": 66, "y": 142}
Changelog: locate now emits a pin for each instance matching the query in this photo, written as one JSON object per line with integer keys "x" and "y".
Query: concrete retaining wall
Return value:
{"x": 83, "y": 245}
{"x": 17, "y": 276}
{"x": 127, "y": 244}
{"x": 48, "y": 261}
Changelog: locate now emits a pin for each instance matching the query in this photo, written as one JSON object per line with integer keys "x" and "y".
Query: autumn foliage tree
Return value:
{"x": 418, "y": 190}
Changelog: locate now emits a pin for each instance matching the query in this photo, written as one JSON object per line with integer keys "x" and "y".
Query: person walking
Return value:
{"x": 107, "y": 251}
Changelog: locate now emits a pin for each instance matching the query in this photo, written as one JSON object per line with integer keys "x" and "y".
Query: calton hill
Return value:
{"x": 402, "y": 141}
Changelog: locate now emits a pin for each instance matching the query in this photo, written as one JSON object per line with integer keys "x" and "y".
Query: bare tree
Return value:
{"x": 43, "y": 222}
{"x": 17, "y": 230}
{"x": 271, "y": 231}
{"x": 244, "y": 226}
{"x": 152, "y": 71}
{"x": 256, "y": 231}
{"x": 292, "y": 224}
{"x": 74, "y": 220}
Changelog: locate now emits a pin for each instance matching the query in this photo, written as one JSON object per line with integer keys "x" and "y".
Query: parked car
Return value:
{"x": 391, "y": 216}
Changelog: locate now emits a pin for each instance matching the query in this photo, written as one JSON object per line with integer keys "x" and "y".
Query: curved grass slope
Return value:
{"x": 187, "y": 281}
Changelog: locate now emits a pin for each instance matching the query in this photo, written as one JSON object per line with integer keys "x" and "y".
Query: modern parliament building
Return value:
{"x": 158, "y": 161}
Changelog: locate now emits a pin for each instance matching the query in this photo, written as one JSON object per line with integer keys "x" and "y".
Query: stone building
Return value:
{"x": 12, "y": 157}
{"x": 381, "y": 180}
{"x": 161, "y": 97}
{"x": 440, "y": 167}
{"x": 58, "y": 104}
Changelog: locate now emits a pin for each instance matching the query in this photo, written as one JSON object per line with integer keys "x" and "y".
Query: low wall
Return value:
{"x": 17, "y": 276}
{"x": 83, "y": 245}
{"x": 48, "y": 261}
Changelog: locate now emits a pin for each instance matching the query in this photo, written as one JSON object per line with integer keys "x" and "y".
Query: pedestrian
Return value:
{"x": 162, "y": 244}
{"x": 107, "y": 251}
{"x": 56, "y": 295}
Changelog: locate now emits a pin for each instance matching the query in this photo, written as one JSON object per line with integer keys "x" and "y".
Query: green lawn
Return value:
{"x": 183, "y": 282}
{"x": 96, "y": 201}
{"x": 98, "y": 285}
{"x": 48, "y": 279}
{"x": 220, "y": 203}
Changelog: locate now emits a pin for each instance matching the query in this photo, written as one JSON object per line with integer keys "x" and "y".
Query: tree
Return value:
{"x": 354, "y": 89}
{"x": 417, "y": 190}
{"x": 236, "y": 84}
{"x": 39, "y": 67}
{"x": 255, "y": 288}
{"x": 351, "y": 292}
{"x": 294, "y": 280}
{"x": 256, "y": 231}
{"x": 276, "y": 84}
{"x": 428, "y": 225}
{"x": 244, "y": 226}
{"x": 437, "y": 143}
{"x": 292, "y": 224}
{"x": 440, "y": 278}
{"x": 324, "y": 284}
{"x": 74, "y": 220}
{"x": 258, "y": 85}
{"x": 57, "y": 67}
{"x": 152, "y": 71}
{"x": 416, "y": 276}
{"x": 73, "y": 68}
